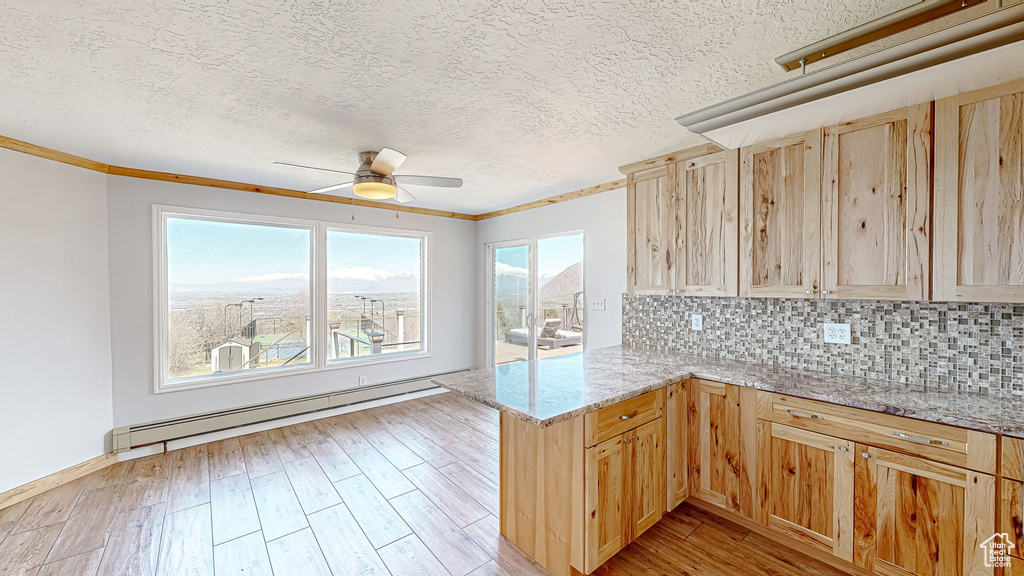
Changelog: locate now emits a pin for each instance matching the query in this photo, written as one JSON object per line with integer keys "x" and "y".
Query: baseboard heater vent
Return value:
{"x": 129, "y": 437}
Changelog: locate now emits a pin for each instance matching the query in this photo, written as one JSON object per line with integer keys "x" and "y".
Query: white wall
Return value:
{"x": 453, "y": 274}
{"x": 55, "y": 373}
{"x": 602, "y": 218}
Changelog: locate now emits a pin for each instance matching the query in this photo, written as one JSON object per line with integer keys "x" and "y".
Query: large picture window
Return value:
{"x": 374, "y": 294}
{"x": 243, "y": 297}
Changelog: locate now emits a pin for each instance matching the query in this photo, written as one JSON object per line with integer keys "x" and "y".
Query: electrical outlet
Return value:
{"x": 696, "y": 321}
{"x": 362, "y": 380}
{"x": 597, "y": 304}
{"x": 837, "y": 333}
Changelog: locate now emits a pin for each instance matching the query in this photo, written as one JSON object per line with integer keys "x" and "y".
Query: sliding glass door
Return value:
{"x": 535, "y": 298}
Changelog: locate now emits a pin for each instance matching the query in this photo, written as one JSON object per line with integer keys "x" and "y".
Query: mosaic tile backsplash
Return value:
{"x": 953, "y": 345}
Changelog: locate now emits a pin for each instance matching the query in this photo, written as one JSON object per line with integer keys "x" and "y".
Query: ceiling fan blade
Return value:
{"x": 403, "y": 196}
{"x": 387, "y": 161}
{"x": 330, "y": 188}
{"x": 314, "y": 168}
{"x": 438, "y": 181}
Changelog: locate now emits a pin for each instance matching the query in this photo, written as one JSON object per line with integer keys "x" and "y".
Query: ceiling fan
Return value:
{"x": 375, "y": 179}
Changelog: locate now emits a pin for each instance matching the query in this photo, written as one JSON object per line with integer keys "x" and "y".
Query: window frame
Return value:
{"x": 163, "y": 383}
{"x": 425, "y": 238}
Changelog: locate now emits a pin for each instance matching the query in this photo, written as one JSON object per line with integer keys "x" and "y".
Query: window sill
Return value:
{"x": 225, "y": 380}
{"x": 371, "y": 360}
{"x": 241, "y": 378}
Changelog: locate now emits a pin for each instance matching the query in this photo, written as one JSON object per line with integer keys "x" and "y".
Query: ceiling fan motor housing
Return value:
{"x": 370, "y": 184}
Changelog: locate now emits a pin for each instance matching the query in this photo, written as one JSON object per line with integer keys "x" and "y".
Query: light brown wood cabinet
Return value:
{"x": 842, "y": 212}
{"x": 876, "y": 198}
{"x": 625, "y": 490}
{"x": 979, "y": 195}
{"x": 722, "y": 448}
{"x": 1011, "y": 523}
{"x": 893, "y": 495}
{"x": 651, "y": 218}
{"x": 676, "y": 483}
{"x": 1011, "y": 500}
{"x": 780, "y": 218}
{"x": 807, "y": 487}
{"x": 682, "y": 224}
{"x": 918, "y": 517}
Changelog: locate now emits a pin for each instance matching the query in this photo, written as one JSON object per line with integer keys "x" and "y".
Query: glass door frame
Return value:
{"x": 533, "y": 305}
{"x": 531, "y": 300}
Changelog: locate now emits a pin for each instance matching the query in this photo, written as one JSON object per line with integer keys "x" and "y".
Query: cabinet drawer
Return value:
{"x": 613, "y": 420}
{"x": 938, "y": 442}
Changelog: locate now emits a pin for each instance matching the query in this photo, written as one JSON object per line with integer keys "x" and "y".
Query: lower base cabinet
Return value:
{"x": 1011, "y": 523}
{"x": 625, "y": 490}
{"x": 807, "y": 487}
{"x": 918, "y": 517}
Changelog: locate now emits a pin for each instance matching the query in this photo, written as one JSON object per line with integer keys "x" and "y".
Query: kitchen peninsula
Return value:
{"x": 596, "y": 447}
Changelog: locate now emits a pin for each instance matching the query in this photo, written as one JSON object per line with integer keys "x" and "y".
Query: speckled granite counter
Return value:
{"x": 551, "y": 390}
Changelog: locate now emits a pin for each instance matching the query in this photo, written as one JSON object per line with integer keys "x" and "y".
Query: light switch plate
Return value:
{"x": 837, "y": 333}
{"x": 696, "y": 321}
{"x": 362, "y": 380}
{"x": 597, "y": 304}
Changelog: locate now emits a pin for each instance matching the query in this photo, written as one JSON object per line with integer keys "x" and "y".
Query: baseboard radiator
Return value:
{"x": 128, "y": 437}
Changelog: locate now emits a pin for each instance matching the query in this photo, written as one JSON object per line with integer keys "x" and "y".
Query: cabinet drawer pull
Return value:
{"x": 920, "y": 440}
{"x": 628, "y": 416}
{"x": 803, "y": 415}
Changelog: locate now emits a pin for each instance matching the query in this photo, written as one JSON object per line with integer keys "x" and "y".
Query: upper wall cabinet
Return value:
{"x": 706, "y": 225}
{"x": 780, "y": 195}
{"x": 876, "y": 194}
{"x": 682, "y": 223}
{"x": 650, "y": 216}
{"x": 979, "y": 195}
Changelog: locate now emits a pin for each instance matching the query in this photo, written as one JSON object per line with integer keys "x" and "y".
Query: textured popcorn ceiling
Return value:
{"x": 522, "y": 100}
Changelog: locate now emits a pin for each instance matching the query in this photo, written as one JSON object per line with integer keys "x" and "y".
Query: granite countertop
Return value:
{"x": 551, "y": 390}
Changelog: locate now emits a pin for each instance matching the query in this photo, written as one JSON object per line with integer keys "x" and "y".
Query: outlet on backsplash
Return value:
{"x": 837, "y": 333}
{"x": 696, "y": 321}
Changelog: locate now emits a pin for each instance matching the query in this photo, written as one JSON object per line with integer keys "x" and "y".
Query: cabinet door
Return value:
{"x": 607, "y": 507}
{"x": 979, "y": 195}
{"x": 706, "y": 226}
{"x": 675, "y": 445}
{"x": 780, "y": 217}
{"x": 809, "y": 488}
{"x": 876, "y": 193}
{"x": 647, "y": 485}
{"x": 1011, "y": 517}
{"x": 649, "y": 214}
{"x": 917, "y": 517}
{"x": 723, "y": 439}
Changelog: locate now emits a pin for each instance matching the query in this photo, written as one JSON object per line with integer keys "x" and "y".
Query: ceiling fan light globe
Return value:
{"x": 374, "y": 190}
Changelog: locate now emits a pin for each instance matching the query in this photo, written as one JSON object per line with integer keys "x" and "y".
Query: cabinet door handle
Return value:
{"x": 920, "y": 440}
{"x": 628, "y": 416}
{"x": 826, "y": 291}
{"x": 810, "y": 292}
{"x": 844, "y": 449}
{"x": 803, "y": 415}
{"x": 865, "y": 455}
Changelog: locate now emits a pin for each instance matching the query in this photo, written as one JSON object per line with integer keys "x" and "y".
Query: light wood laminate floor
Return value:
{"x": 404, "y": 489}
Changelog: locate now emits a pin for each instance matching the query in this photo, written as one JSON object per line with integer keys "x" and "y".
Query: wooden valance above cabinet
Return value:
{"x": 846, "y": 211}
